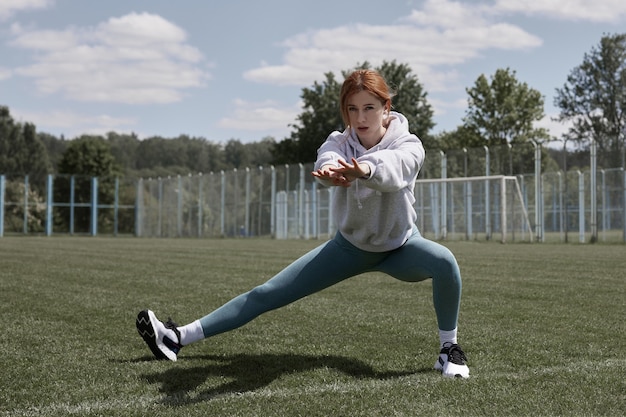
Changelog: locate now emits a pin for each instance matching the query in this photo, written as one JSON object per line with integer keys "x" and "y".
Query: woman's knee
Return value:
{"x": 447, "y": 265}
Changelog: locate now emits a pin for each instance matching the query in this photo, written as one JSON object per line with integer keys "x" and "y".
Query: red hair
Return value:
{"x": 363, "y": 80}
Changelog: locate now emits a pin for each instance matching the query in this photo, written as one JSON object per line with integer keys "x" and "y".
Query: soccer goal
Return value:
{"x": 472, "y": 208}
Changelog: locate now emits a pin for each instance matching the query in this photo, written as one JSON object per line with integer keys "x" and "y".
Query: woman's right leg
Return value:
{"x": 321, "y": 268}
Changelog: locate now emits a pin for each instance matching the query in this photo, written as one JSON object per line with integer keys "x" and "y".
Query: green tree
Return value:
{"x": 459, "y": 138}
{"x": 7, "y": 129}
{"x": 248, "y": 155}
{"x": 261, "y": 152}
{"x": 21, "y": 150}
{"x": 86, "y": 157}
{"x": 320, "y": 117}
{"x": 124, "y": 149}
{"x": 503, "y": 111}
{"x": 35, "y": 160}
{"x": 236, "y": 154}
{"x": 410, "y": 97}
{"x": 594, "y": 100}
{"x": 55, "y": 148}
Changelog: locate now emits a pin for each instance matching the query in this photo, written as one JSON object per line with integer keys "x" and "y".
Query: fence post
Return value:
{"x": 487, "y": 202}
{"x": 562, "y": 217}
{"x": 94, "y": 206}
{"x": 503, "y": 207}
{"x": 160, "y": 209}
{"x": 259, "y": 221}
{"x": 273, "y": 201}
{"x": 200, "y": 203}
{"x": 603, "y": 204}
{"x": 624, "y": 206}
{"x": 581, "y": 207}
{"x": 223, "y": 203}
{"x": 139, "y": 208}
{"x": 49, "y": 204}
{"x": 116, "y": 204}
{"x": 2, "y": 205}
{"x": 25, "y": 217}
{"x": 301, "y": 202}
{"x": 315, "y": 210}
{"x": 444, "y": 197}
{"x": 247, "y": 207}
{"x": 179, "y": 207}
{"x": 594, "y": 210}
{"x": 72, "y": 201}
{"x": 538, "y": 193}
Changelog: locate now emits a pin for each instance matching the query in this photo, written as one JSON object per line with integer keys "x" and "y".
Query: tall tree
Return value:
{"x": 503, "y": 110}
{"x": 594, "y": 100}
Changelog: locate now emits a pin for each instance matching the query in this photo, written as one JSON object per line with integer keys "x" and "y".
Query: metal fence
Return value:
{"x": 460, "y": 196}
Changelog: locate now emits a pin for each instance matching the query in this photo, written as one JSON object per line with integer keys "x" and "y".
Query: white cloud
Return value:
{"x": 441, "y": 107}
{"x": 430, "y": 40}
{"x": 267, "y": 116}
{"x": 135, "y": 59}
{"x": 556, "y": 129}
{"x": 606, "y": 11}
{"x": 74, "y": 124}
{"x": 9, "y": 7}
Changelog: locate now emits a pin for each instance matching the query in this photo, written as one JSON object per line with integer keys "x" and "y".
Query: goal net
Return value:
{"x": 472, "y": 208}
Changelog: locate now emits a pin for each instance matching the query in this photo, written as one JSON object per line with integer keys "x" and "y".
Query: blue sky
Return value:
{"x": 235, "y": 69}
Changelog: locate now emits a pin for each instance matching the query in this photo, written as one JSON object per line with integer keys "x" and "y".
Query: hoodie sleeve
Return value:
{"x": 331, "y": 151}
{"x": 396, "y": 166}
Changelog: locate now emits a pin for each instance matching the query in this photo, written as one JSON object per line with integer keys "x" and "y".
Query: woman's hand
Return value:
{"x": 343, "y": 175}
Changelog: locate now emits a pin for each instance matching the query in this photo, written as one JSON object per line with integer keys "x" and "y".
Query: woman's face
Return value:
{"x": 367, "y": 117}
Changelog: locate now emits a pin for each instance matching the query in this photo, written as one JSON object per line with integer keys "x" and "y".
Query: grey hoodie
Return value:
{"x": 376, "y": 214}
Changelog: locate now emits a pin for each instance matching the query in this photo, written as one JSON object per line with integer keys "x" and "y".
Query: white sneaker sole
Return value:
{"x": 451, "y": 370}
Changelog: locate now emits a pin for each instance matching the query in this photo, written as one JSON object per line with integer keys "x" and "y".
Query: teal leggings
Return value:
{"x": 337, "y": 260}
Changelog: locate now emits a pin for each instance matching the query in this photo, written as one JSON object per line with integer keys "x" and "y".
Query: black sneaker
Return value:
{"x": 162, "y": 339}
{"x": 451, "y": 361}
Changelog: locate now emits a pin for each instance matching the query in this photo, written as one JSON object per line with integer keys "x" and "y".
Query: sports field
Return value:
{"x": 543, "y": 326}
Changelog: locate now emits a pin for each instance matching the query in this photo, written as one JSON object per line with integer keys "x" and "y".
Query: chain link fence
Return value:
{"x": 284, "y": 202}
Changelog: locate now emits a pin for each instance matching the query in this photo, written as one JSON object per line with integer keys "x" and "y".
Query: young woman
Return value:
{"x": 374, "y": 164}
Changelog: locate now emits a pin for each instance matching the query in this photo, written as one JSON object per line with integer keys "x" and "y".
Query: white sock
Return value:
{"x": 447, "y": 336}
{"x": 191, "y": 333}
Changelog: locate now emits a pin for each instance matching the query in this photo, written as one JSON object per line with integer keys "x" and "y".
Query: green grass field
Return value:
{"x": 542, "y": 325}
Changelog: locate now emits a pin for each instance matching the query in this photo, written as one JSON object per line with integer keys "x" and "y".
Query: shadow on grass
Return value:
{"x": 245, "y": 373}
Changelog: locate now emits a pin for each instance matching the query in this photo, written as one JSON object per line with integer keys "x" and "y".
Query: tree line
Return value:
{"x": 501, "y": 110}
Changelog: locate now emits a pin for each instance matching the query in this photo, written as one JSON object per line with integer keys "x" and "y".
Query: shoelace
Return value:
{"x": 456, "y": 355}
{"x": 174, "y": 346}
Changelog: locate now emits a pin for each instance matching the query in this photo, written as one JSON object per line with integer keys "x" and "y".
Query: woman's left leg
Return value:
{"x": 419, "y": 259}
